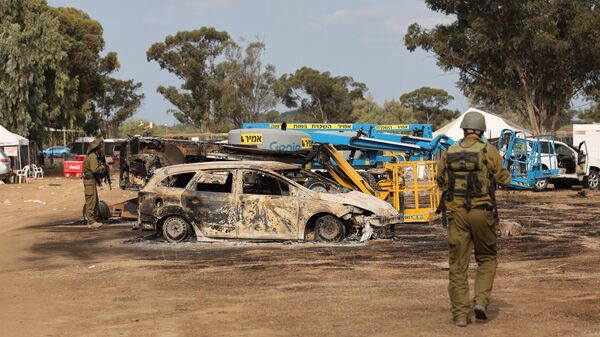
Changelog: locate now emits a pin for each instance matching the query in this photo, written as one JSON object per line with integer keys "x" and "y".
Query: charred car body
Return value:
{"x": 256, "y": 200}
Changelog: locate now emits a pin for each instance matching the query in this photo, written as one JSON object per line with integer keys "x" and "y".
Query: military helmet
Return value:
{"x": 95, "y": 144}
{"x": 473, "y": 120}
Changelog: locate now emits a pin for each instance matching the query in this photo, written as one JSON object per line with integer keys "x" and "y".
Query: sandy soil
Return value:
{"x": 59, "y": 278}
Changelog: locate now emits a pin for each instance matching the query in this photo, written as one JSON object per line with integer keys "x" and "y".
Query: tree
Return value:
{"x": 118, "y": 101}
{"x": 35, "y": 87}
{"x": 133, "y": 127}
{"x": 428, "y": 106}
{"x": 246, "y": 85}
{"x": 392, "y": 112}
{"x": 590, "y": 115}
{"x": 85, "y": 42}
{"x": 318, "y": 95}
{"x": 51, "y": 71}
{"x": 191, "y": 56}
{"x": 533, "y": 56}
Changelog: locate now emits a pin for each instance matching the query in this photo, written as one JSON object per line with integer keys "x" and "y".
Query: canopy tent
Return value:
{"x": 494, "y": 123}
{"x": 9, "y": 139}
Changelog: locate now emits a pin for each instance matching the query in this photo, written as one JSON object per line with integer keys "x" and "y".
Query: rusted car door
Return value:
{"x": 211, "y": 202}
{"x": 268, "y": 207}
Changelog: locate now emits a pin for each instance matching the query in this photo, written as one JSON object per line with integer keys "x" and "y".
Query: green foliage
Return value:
{"x": 590, "y": 115}
{"x": 319, "y": 96}
{"x": 392, "y": 112}
{"x": 51, "y": 72}
{"x": 35, "y": 87}
{"x": 192, "y": 56}
{"x": 245, "y": 86}
{"x": 133, "y": 127}
{"x": 85, "y": 42}
{"x": 118, "y": 102}
{"x": 428, "y": 105}
{"x": 224, "y": 84}
{"x": 530, "y": 56}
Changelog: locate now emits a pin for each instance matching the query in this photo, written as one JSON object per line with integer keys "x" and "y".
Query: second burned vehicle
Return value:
{"x": 141, "y": 156}
{"x": 257, "y": 200}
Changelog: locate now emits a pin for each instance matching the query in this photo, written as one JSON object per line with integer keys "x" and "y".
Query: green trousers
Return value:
{"x": 468, "y": 230}
{"x": 91, "y": 200}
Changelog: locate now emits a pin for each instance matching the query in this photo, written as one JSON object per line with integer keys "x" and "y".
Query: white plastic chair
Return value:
{"x": 22, "y": 174}
{"x": 36, "y": 171}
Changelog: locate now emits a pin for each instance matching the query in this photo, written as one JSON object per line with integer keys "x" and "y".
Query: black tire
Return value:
{"x": 176, "y": 229}
{"x": 103, "y": 211}
{"x": 369, "y": 178}
{"x": 540, "y": 185}
{"x": 315, "y": 185}
{"x": 593, "y": 180}
{"x": 328, "y": 228}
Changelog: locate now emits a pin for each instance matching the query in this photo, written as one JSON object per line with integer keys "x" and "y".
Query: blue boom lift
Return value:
{"x": 366, "y": 143}
{"x": 530, "y": 163}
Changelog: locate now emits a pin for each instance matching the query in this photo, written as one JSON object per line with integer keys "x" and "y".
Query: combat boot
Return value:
{"x": 480, "y": 312}
{"x": 94, "y": 225}
{"x": 460, "y": 323}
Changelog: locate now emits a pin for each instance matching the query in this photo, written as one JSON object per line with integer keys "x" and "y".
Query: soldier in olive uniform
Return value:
{"x": 93, "y": 171}
{"x": 468, "y": 173}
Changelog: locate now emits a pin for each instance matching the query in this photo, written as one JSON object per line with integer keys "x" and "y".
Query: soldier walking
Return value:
{"x": 93, "y": 171}
{"x": 467, "y": 174}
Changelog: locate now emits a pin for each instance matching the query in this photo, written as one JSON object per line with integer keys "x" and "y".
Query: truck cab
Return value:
{"x": 574, "y": 165}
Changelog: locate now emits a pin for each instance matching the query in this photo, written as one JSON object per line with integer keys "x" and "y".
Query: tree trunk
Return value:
{"x": 529, "y": 104}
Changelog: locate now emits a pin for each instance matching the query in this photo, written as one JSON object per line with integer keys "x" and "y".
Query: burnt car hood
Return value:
{"x": 361, "y": 200}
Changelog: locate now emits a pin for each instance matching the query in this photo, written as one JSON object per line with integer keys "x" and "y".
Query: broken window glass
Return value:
{"x": 264, "y": 184}
{"x": 177, "y": 180}
{"x": 215, "y": 181}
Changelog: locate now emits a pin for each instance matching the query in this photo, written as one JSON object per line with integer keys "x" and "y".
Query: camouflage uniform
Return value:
{"x": 471, "y": 222}
{"x": 92, "y": 174}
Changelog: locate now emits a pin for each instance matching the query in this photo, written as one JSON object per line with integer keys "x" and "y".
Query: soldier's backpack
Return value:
{"x": 468, "y": 175}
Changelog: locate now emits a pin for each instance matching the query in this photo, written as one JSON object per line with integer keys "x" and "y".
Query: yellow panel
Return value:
{"x": 319, "y": 126}
{"x": 306, "y": 143}
{"x": 251, "y": 138}
{"x": 392, "y": 127}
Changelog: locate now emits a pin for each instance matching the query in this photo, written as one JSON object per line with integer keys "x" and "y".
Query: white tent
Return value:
{"x": 9, "y": 139}
{"x": 494, "y": 123}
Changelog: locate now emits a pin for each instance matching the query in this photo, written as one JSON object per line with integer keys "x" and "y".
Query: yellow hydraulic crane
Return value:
{"x": 409, "y": 186}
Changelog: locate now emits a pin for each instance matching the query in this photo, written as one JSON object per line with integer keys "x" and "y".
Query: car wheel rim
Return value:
{"x": 328, "y": 231}
{"x": 540, "y": 184}
{"x": 594, "y": 180}
{"x": 175, "y": 229}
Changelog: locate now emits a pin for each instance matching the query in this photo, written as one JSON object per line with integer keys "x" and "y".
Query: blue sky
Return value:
{"x": 362, "y": 39}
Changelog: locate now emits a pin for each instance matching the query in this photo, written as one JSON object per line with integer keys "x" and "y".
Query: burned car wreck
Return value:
{"x": 257, "y": 200}
{"x": 141, "y": 156}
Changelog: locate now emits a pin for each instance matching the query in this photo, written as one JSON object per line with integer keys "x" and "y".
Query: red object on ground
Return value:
{"x": 73, "y": 169}
{"x": 80, "y": 157}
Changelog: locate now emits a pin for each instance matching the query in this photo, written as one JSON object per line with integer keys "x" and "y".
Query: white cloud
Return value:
{"x": 388, "y": 19}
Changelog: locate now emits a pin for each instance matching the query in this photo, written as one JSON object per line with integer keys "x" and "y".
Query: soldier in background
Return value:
{"x": 467, "y": 175}
{"x": 93, "y": 171}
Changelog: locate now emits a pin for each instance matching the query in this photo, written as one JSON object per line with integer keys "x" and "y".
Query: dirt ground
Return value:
{"x": 59, "y": 278}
